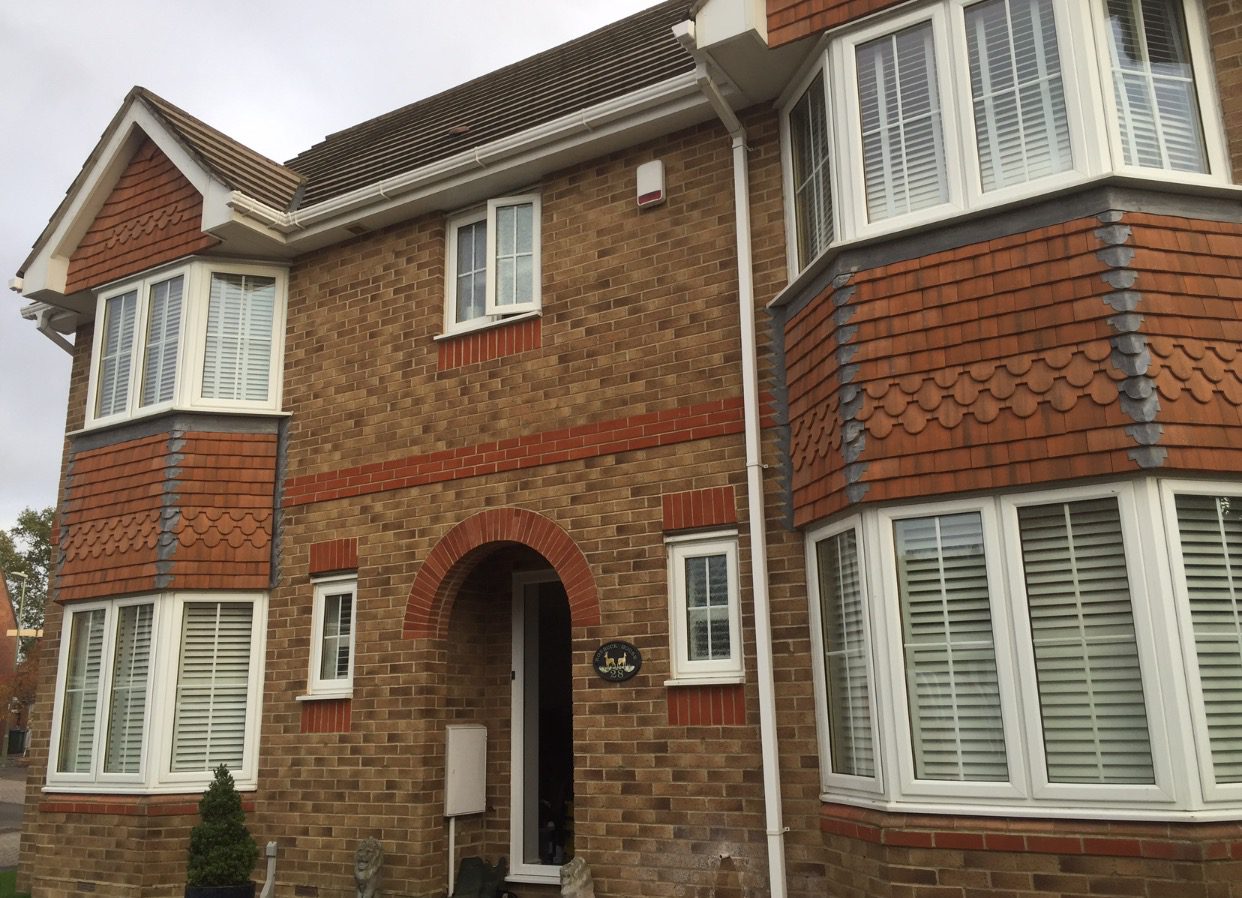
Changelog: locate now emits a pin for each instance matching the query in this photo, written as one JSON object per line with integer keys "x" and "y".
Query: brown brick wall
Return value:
{"x": 1224, "y": 19}
{"x": 152, "y": 216}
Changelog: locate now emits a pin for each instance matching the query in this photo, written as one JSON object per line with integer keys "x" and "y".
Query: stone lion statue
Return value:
{"x": 367, "y": 862}
{"x": 576, "y": 881}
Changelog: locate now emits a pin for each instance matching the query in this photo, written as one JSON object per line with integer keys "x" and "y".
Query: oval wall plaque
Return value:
{"x": 617, "y": 661}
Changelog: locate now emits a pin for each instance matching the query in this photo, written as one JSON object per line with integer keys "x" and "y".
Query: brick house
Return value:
{"x": 932, "y": 581}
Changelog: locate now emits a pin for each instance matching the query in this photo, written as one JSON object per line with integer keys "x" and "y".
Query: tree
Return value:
{"x": 222, "y": 853}
{"x": 27, "y": 547}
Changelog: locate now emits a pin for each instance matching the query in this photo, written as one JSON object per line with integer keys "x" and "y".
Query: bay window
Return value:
{"x": 154, "y": 692}
{"x": 203, "y": 336}
{"x": 1049, "y": 653}
{"x": 952, "y": 105}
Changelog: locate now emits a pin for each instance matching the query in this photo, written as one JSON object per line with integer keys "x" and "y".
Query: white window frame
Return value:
{"x": 683, "y": 670}
{"x": 1212, "y": 791}
{"x": 1145, "y": 629}
{"x": 493, "y": 313}
{"x": 831, "y": 780}
{"x": 1090, "y": 112}
{"x": 191, "y": 346}
{"x": 156, "y": 775}
{"x": 317, "y": 686}
{"x": 787, "y": 168}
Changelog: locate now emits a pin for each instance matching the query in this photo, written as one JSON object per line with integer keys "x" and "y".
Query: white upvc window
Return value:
{"x": 204, "y": 335}
{"x": 704, "y": 608}
{"x": 1022, "y": 653}
{"x": 492, "y": 269}
{"x": 947, "y": 106}
{"x": 154, "y": 692}
{"x": 332, "y": 637}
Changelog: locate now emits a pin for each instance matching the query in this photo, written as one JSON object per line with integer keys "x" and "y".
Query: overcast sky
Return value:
{"x": 277, "y": 75}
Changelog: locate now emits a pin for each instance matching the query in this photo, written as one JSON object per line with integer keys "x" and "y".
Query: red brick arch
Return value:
{"x": 453, "y": 557}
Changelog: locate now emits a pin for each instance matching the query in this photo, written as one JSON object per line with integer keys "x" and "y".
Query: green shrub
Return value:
{"x": 222, "y": 853}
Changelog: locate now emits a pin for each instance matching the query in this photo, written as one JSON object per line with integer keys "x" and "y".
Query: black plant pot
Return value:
{"x": 242, "y": 891}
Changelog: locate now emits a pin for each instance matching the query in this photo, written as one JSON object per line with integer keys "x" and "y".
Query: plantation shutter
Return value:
{"x": 1086, "y": 655}
{"x": 707, "y": 608}
{"x": 240, "y": 316}
{"x": 159, "y": 365}
{"x": 127, "y": 706}
{"x": 954, "y": 693}
{"x": 808, "y": 131}
{"x": 116, "y": 354}
{"x": 1210, "y": 529}
{"x": 1154, "y": 85}
{"x": 80, "y": 702}
{"x": 848, "y": 677}
{"x": 1020, "y": 118}
{"x": 337, "y": 636}
{"x": 902, "y": 131}
{"x": 511, "y": 241}
{"x": 212, "y": 686}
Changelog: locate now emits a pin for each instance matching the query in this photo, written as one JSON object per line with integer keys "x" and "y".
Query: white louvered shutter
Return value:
{"x": 1086, "y": 656}
{"x": 950, "y": 658}
{"x": 80, "y": 702}
{"x": 127, "y": 705}
{"x": 1021, "y": 123}
{"x": 337, "y": 636}
{"x": 1154, "y": 86}
{"x": 213, "y": 680}
{"x": 1210, "y": 531}
{"x": 848, "y": 677}
{"x": 707, "y": 608}
{"x": 159, "y": 364}
{"x": 116, "y": 354}
{"x": 808, "y": 131}
{"x": 240, "y": 316}
{"x": 902, "y": 130}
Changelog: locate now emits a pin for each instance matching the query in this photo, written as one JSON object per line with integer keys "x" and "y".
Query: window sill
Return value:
{"x": 334, "y": 696}
{"x": 166, "y": 411}
{"x": 133, "y": 791}
{"x": 716, "y": 680}
{"x": 488, "y": 324}
{"x": 1018, "y": 812}
{"x": 551, "y": 878}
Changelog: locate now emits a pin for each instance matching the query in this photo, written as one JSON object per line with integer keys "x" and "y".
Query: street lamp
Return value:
{"x": 21, "y": 608}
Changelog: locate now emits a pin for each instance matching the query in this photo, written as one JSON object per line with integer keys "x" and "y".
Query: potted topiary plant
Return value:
{"x": 222, "y": 853}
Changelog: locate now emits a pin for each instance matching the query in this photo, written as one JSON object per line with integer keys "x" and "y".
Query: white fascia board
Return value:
{"x": 597, "y": 126}
{"x": 46, "y": 275}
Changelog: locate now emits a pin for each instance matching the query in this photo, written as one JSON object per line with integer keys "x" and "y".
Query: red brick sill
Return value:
{"x": 129, "y": 805}
{"x": 1097, "y": 838}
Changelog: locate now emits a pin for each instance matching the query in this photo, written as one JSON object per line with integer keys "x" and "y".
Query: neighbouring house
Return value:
{"x": 781, "y": 449}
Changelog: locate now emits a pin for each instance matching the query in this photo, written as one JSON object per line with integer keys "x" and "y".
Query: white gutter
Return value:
{"x": 470, "y": 161}
{"x": 756, "y": 523}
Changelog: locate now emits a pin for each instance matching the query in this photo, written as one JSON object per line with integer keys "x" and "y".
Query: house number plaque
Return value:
{"x": 617, "y": 661}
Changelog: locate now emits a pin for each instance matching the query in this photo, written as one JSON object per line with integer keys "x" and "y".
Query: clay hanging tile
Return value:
{"x": 1102, "y": 392}
{"x": 985, "y": 408}
{"x": 1002, "y": 384}
{"x": 1063, "y": 396}
{"x": 1044, "y": 372}
{"x": 1024, "y": 402}
{"x": 913, "y": 419}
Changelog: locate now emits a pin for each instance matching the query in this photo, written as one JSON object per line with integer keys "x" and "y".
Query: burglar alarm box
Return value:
{"x": 650, "y": 180}
{"x": 465, "y": 769}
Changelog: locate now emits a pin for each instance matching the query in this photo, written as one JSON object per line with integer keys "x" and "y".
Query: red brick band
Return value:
{"x": 453, "y": 557}
{"x": 663, "y": 428}
{"x": 129, "y": 805}
{"x": 327, "y": 716}
{"x": 700, "y": 508}
{"x": 491, "y": 343}
{"x": 723, "y": 705}
{"x": 334, "y": 555}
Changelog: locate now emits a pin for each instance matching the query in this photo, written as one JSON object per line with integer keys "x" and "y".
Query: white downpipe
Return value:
{"x": 774, "y": 819}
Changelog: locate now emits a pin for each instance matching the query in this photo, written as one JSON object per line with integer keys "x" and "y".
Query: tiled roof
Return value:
{"x": 240, "y": 167}
{"x": 615, "y": 60}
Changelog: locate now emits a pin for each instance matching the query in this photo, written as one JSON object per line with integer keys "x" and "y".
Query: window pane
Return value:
{"x": 471, "y": 271}
{"x": 240, "y": 315}
{"x": 80, "y": 703}
{"x": 1154, "y": 85}
{"x": 209, "y": 727}
{"x": 1019, "y": 101}
{"x": 337, "y": 636}
{"x": 159, "y": 364}
{"x": 515, "y": 254}
{"x": 1210, "y": 529}
{"x": 955, "y": 714}
{"x": 127, "y": 706}
{"x": 808, "y": 131}
{"x": 707, "y": 607}
{"x": 1086, "y": 656}
{"x": 902, "y": 134}
{"x": 845, "y": 655}
{"x": 116, "y": 354}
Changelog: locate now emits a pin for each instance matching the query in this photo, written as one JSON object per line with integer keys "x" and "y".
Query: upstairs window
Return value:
{"x": 493, "y": 265}
{"x": 704, "y": 609}
{"x": 951, "y": 105}
{"x": 205, "y": 336}
{"x": 332, "y": 637}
